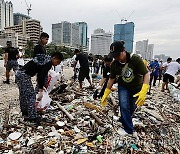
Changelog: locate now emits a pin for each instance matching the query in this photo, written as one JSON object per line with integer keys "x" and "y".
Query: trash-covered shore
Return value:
{"x": 76, "y": 123}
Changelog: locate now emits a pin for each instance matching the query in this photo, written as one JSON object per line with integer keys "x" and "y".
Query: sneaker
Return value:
{"x": 122, "y": 132}
{"x": 24, "y": 114}
{"x": 6, "y": 82}
{"x": 35, "y": 120}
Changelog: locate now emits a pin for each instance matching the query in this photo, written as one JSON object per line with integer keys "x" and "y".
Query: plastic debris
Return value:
{"x": 76, "y": 123}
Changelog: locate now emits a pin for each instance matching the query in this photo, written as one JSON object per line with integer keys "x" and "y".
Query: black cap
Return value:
{"x": 116, "y": 47}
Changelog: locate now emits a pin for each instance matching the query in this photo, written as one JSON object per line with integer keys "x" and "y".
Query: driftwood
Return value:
{"x": 154, "y": 113}
{"x": 173, "y": 112}
{"x": 65, "y": 111}
{"x": 112, "y": 100}
{"x": 98, "y": 120}
{"x": 7, "y": 110}
{"x": 73, "y": 90}
{"x": 92, "y": 106}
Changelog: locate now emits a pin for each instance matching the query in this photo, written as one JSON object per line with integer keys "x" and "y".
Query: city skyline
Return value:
{"x": 156, "y": 21}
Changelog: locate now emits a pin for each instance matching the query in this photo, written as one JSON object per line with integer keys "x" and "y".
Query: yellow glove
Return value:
{"x": 142, "y": 95}
{"x": 106, "y": 94}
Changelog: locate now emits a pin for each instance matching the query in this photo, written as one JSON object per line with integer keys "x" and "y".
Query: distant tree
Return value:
{"x": 2, "y": 52}
{"x": 51, "y": 48}
{"x": 29, "y": 49}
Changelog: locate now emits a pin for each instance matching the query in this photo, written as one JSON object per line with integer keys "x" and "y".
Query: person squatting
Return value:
{"x": 27, "y": 94}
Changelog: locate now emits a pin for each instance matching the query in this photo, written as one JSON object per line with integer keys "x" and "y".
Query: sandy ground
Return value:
{"x": 9, "y": 93}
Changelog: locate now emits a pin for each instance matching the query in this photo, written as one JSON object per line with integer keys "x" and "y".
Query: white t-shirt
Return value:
{"x": 59, "y": 68}
{"x": 21, "y": 60}
{"x": 173, "y": 68}
{"x": 77, "y": 65}
{"x": 165, "y": 64}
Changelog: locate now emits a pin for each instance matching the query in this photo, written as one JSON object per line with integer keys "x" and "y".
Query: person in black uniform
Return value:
{"x": 99, "y": 92}
{"x": 84, "y": 67}
{"x": 39, "y": 49}
{"x": 27, "y": 95}
{"x": 39, "y": 52}
{"x": 10, "y": 60}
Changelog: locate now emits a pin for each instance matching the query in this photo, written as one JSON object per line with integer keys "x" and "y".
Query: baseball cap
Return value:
{"x": 116, "y": 47}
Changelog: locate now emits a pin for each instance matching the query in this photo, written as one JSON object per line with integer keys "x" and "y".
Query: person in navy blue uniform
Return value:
{"x": 155, "y": 70}
{"x": 27, "y": 94}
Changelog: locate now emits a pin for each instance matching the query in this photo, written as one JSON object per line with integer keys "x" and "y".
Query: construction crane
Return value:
{"x": 28, "y": 7}
{"x": 126, "y": 19}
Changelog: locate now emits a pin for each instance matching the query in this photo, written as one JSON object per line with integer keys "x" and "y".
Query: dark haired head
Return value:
{"x": 76, "y": 51}
{"x": 43, "y": 34}
{"x": 9, "y": 43}
{"x": 108, "y": 59}
{"x": 169, "y": 59}
{"x": 178, "y": 60}
{"x": 57, "y": 55}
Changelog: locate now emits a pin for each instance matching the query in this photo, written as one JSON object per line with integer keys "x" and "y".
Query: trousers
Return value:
{"x": 27, "y": 95}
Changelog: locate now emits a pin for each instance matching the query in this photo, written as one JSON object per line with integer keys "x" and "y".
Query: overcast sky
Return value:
{"x": 155, "y": 20}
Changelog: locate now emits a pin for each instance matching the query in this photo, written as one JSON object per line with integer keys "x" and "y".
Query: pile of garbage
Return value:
{"x": 75, "y": 123}
{"x": 174, "y": 91}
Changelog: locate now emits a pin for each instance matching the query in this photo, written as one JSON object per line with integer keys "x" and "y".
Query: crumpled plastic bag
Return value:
{"x": 52, "y": 80}
{"x": 44, "y": 103}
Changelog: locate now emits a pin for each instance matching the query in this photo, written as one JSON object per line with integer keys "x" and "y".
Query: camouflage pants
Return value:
{"x": 27, "y": 94}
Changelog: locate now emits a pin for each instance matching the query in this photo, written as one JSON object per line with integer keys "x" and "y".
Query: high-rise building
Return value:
{"x": 16, "y": 39}
{"x": 150, "y": 51}
{"x": 6, "y": 14}
{"x": 18, "y": 18}
{"x": 142, "y": 48}
{"x": 66, "y": 34}
{"x": 83, "y": 33}
{"x": 100, "y": 42}
{"x": 145, "y": 49}
{"x": 125, "y": 32}
{"x": 32, "y": 28}
{"x": 162, "y": 57}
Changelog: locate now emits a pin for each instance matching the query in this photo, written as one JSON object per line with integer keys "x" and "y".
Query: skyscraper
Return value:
{"x": 18, "y": 18}
{"x": 142, "y": 48}
{"x": 100, "y": 42}
{"x": 66, "y": 34}
{"x": 32, "y": 28}
{"x": 150, "y": 51}
{"x": 125, "y": 32}
{"x": 82, "y": 33}
{"x": 6, "y": 14}
{"x": 145, "y": 49}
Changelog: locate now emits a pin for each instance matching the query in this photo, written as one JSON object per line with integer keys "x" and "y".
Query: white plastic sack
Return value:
{"x": 52, "y": 80}
{"x": 12, "y": 73}
{"x": 44, "y": 103}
